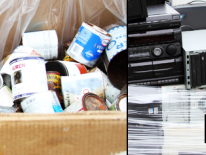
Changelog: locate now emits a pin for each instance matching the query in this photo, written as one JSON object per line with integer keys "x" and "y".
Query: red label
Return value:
{"x": 18, "y": 66}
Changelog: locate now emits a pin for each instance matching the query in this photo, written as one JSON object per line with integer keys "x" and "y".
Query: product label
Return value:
{"x": 118, "y": 42}
{"x": 89, "y": 44}
{"x": 28, "y": 75}
{"x": 54, "y": 83}
{"x": 74, "y": 87}
{"x": 33, "y": 104}
{"x": 44, "y": 42}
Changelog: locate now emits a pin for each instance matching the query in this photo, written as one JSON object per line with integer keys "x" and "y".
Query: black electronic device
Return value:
{"x": 155, "y": 2}
{"x": 159, "y": 17}
{"x": 156, "y": 72}
{"x": 154, "y": 44}
{"x": 137, "y": 10}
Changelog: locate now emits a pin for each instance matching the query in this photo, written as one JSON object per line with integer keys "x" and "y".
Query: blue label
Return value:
{"x": 57, "y": 108}
{"x": 26, "y": 58}
{"x": 22, "y": 95}
{"x": 92, "y": 44}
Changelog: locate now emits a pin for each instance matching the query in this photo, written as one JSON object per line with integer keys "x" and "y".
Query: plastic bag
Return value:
{"x": 64, "y": 16}
{"x": 167, "y": 120}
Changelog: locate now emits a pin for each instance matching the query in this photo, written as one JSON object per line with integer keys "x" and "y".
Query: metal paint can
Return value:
{"x": 75, "y": 107}
{"x": 110, "y": 91}
{"x": 66, "y": 68}
{"x": 115, "y": 56}
{"x": 54, "y": 83}
{"x": 74, "y": 87}
{"x": 93, "y": 102}
{"x": 88, "y": 44}
{"x": 44, "y": 42}
{"x": 28, "y": 76}
{"x": 1, "y": 81}
{"x": 120, "y": 104}
{"x": 20, "y": 51}
{"x": 44, "y": 102}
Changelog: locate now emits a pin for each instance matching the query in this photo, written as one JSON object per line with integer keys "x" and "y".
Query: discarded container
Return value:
{"x": 124, "y": 89}
{"x": 74, "y": 87}
{"x": 115, "y": 56}
{"x": 20, "y": 51}
{"x": 7, "y": 109}
{"x": 28, "y": 76}
{"x": 92, "y": 101}
{"x": 6, "y": 99}
{"x": 88, "y": 44}
{"x": 44, "y": 42}
{"x": 66, "y": 68}
{"x": 120, "y": 104}
{"x": 54, "y": 83}
{"x": 44, "y": 102}
{"x": 7, "y": 80}
{"x": 68, "y": 58}
{"x": 111, "y": 92}
{"x": 1, "y": 81}
{"x": 75, "y": 107}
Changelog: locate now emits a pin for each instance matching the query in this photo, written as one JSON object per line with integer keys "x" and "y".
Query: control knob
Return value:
{"x": 171, "y": 50}
{"x": 157, "y": 51}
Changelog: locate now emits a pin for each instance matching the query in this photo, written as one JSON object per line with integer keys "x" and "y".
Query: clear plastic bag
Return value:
{"x": 167, "y": 120}
{"x": 64, "y": 16}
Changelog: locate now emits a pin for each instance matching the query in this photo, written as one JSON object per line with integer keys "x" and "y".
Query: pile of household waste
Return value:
{"x": 91, "y": 76}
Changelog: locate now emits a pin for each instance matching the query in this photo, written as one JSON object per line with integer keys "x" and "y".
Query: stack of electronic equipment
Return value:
{"x": 154, "y": 59}
{"x": 154, "y": 44}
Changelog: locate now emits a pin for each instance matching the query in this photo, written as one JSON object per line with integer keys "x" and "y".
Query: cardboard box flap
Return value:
{"x": 82, "y": 133}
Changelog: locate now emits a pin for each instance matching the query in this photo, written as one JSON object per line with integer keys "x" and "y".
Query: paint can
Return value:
{"x": 7, "y": 80}
{"x": 75, "y": 107}
{"x": 120, "y": 104}
{"x": 115, "y": 56}
{"x": 66, "y": 68}
{"x": 88, "y": 44}
{"x": 28, "y": 76}
{"x": 74, "y": 87}
{"x": 44, "y": 42}
{"x": 20, "y": 51}
{"x": 54, "y": 83}
{"x": 110, "y": 91}
{"x": 92, "y": 101}
{"x": 44, "y": 102}
{"x": 1, "y": 81}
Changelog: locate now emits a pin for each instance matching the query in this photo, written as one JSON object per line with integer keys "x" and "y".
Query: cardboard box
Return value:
{"x": 77, "y": 133}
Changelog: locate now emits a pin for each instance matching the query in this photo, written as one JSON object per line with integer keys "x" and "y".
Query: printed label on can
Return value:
{"x": 74, "y": 68}
{"x": 118, "y": 42}
{"x": 74, "y": 87}
{"x": 44, "y": 42}
{"x": 54, "y": 83}
{"x": 45, "y": 102}
{"x": 68, "y": 58}
{"x": 28, "y": 76}
{"x": 88, "y": 44}
{"x": 75, "y": 107}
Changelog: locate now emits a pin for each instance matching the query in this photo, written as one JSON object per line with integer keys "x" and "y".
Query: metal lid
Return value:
{"x": 121, "y": 103}
{"x": 53, "y": 72}
{"x": 92, "y": 101}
